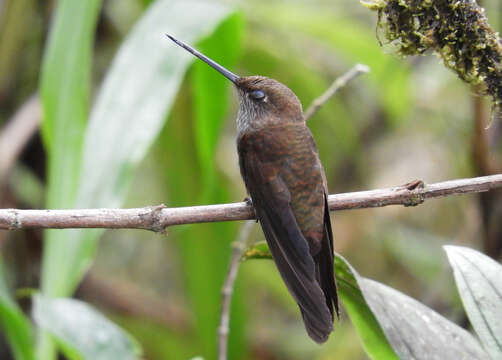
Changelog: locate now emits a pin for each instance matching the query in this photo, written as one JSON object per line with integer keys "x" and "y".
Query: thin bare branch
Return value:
{"x": 239, "y": 246}
{"x": 340, "y": 82}
{"x": 158, "y": 218}
{"x": 17, "y": 132}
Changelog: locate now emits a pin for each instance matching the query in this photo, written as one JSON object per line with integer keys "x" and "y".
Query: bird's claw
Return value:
{"x": 415, "y": 184}
{"x": 249, "y": 202}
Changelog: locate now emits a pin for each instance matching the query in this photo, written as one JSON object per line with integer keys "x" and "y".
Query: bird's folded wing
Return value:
{"x": 271, "y": 199}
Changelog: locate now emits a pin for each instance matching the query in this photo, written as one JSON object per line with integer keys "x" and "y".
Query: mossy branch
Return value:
{"x": 456, "y": 30}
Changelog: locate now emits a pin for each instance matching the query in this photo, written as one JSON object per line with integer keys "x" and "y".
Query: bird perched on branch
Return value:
{"x": 280, "y": 166}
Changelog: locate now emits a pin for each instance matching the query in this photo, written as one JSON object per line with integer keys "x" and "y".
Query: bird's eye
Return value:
{"x": 257, "y": 95}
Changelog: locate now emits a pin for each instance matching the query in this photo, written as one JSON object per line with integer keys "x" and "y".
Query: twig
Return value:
{"x": 17, "y": 132}
{"x": 158, "y": 218}
{"x": 239, "y": 246}
{"x": 340, "y": 82}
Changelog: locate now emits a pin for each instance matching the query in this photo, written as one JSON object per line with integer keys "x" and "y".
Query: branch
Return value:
{"x": 17, "y": 132}
{"x": 456, "y": 31}
{"x": 239, "y": 246}
{"x": 340, "y": 82}
{"x": 158, "y": 218}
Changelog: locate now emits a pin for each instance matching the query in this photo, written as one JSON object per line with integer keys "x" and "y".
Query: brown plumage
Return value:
{"x": 285, "y": 179}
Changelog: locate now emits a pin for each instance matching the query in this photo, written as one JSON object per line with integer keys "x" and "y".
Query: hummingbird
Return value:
{"x": 284, "y": 177}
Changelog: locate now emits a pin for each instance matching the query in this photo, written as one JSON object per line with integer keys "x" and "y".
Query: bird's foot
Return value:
{"x": 249, "y": 202}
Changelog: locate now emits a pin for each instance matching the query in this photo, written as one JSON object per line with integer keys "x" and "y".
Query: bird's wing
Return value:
{"x": 325, "y": 264}
{"x": 271, "y": 199}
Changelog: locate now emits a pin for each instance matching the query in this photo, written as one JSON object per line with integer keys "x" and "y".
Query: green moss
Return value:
{"x": 456, "y": 30}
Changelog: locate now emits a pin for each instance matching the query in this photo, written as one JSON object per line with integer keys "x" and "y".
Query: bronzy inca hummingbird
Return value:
{"x": 280, "y": 166}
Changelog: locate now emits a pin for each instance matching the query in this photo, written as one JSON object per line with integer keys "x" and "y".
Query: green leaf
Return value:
{"x": 64, "y": 88}
{"x": 416, "y": 331}
{"x": 15, "y": 326}
{"x": 81, "y": 328}
{"x": 479, "y": 282}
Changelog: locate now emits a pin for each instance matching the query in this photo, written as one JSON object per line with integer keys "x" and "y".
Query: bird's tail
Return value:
{"x": 319, "y": 327}
{"x": 326, "y": 278}
{"x": 325, "y": 265}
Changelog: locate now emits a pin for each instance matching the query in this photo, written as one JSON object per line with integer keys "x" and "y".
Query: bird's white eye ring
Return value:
{"x": 257, "y": 95}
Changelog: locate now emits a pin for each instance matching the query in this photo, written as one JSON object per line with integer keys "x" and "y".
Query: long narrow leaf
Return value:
{"x": 64, "y": 89}
{"x": 64, "y": 93}
{"x": 479, "y": 282}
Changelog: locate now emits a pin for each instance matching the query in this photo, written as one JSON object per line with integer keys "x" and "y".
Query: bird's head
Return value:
{"x": 263, "y": 101}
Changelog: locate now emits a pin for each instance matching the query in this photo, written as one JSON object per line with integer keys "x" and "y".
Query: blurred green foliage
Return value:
{"x": 20, "y": 333}
{"x": 124, "y": 126}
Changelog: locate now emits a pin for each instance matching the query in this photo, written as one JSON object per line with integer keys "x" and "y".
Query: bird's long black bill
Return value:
{"x": 228, "y": 74}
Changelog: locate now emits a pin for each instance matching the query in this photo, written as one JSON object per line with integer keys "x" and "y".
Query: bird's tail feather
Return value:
{"x": 326, "y": 278}
{"x": 318, "y": 328}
